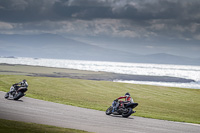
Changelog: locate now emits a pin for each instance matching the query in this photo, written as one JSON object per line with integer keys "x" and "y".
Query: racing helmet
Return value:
{"x": 127, "y": 94}
{"x": 24, "y": 82}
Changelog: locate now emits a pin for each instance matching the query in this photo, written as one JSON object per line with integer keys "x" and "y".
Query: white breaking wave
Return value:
{"x": 181, "y": 71}
{"x": 194, "y": 85}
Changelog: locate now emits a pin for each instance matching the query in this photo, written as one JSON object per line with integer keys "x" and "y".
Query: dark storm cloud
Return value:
{"x": 36, "y": 10}
{"x": 40, "y": 10}
{"x": 69, "y": 10}
{"x": 25, "y": 10}
{"x": 141, "y": 25}
{"x": 129, "y": 17}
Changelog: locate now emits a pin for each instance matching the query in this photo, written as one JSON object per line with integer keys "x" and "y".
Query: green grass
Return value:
{"x": 7, "y": 126}
{"x": 176, "y": 104}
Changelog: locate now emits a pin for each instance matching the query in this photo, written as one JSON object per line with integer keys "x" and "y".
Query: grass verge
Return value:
{"x": 176, "y": 104}
{"x": 8, "y": 126}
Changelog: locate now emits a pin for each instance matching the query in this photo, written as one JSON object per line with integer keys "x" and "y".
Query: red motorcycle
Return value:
{"x": 125, "y": 108}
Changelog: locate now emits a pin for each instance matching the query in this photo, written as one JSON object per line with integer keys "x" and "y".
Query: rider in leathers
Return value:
{"x": 127, "y": 97}
{"x": 20, "y": 85}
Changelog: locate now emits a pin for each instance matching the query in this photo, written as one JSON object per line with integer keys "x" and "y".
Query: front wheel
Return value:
{"x": 127, "y": 112}
{"x": 6, "y": 95}
{"x": 109, "y": 110}
{"x": 18, "y": 96}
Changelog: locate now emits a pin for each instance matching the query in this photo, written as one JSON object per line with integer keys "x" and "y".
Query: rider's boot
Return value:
{"x": 113, "y": 109}
{"x": 10, "y": 96}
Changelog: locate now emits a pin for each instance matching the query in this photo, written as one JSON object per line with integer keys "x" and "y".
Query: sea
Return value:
{"x": 180, "y": 71}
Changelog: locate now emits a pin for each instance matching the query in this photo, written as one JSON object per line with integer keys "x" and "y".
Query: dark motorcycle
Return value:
{"x": 125, "y": 108}
{"x": 15, "y": 92}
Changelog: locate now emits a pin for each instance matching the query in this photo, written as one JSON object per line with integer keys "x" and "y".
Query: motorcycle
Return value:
{"x": 125, "y": 108}
{"x": 15, "y": 92}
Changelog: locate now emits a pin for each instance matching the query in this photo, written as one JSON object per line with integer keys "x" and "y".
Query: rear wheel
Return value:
{"x": 109, "y": 110}
{"x": 127, "y": 112}
{"x": 18, "y": 96}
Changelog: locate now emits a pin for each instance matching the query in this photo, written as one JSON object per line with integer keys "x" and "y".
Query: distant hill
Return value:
{"x": 56, "y": 46}
{"x": 162, "y": 58}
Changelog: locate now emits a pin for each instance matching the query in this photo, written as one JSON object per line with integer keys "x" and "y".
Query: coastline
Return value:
{"x": 41, "y": 71}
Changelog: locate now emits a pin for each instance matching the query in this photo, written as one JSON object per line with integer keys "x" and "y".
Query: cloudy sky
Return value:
{"x": 138, "y": 26}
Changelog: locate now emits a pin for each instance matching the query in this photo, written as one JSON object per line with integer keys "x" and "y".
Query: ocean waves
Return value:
{"x": 180, "y": 71}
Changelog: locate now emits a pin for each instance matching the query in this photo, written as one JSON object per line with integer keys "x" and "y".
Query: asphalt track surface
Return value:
{"x": 49, "y": 113}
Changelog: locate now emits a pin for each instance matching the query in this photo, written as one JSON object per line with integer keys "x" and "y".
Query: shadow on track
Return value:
{"x": 15, "y": 100}
{"x": 118, "y": 116}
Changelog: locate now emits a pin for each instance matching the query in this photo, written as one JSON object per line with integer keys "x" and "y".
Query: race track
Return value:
{"x": 48, "y": 113}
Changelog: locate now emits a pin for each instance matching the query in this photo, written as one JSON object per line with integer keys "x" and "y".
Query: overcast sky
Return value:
{"x": 143, "y": 26}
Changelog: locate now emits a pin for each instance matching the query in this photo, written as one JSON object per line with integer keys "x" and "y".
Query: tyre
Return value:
{"x": 127, "y": 113}
{"x": 6, "y": 95}
{"x": 18, "y": 96}
{"x": 109, "y": 110}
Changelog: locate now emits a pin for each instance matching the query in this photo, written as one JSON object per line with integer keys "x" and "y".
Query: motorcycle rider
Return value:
{"x": 127, "y": 97}
{"x": 22, "y": 85}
